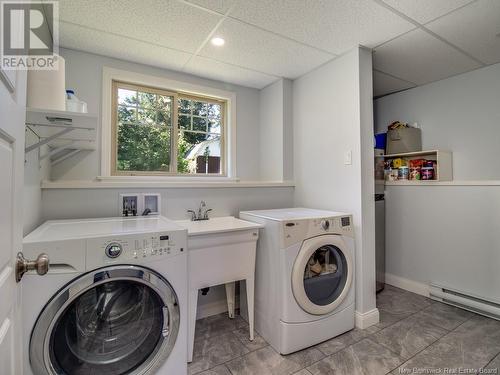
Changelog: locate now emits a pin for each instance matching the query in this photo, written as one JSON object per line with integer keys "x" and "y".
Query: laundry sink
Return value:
{"x": 217, "y": 225}
{"x": 221, "y": 250}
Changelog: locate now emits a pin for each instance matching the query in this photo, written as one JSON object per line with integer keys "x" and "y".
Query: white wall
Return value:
{"x": 287, "y": 130}
{"x": 367, "y": 261}
{"x": 271, "y": 131}
{"x": 81, "y": 203}
{"x": 448, "y": 234}
{"x": 84, "y": 74}
{"x": 276, "y": 131}
{"x": 460, "y": 114}
{"x": 332, "y": 115}
{"x": 34, "y": 172}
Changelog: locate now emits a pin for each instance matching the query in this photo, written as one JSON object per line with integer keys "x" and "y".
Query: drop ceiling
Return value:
{"x": 414, "y": 41}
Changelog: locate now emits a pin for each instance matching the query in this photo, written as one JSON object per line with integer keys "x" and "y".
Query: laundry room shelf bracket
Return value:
{"x": 65, "y": 133}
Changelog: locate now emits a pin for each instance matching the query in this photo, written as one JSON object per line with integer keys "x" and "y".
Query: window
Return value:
{"x": 166, "y": 132}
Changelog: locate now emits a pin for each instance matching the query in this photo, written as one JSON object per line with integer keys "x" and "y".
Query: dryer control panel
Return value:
{"x": 295, "y": 231}
{"x": 134, "y": 249}
{"x": 332, "y": 225}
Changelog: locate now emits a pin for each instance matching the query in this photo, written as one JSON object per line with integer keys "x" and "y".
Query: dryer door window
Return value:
{"x": 112, "y": 321}
{"x": 322, "y": 274}
{"x": 325, "y": 275}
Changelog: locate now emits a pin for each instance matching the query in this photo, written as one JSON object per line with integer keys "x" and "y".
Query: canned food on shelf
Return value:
{"x": 427, "y": 173}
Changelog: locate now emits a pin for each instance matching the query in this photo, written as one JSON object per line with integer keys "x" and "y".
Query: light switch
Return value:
{"x": 348, "y": 158}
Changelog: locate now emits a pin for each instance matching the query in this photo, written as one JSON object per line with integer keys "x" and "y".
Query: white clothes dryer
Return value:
{"x": 113, "y": 302}
{"x": 304, "y": 277}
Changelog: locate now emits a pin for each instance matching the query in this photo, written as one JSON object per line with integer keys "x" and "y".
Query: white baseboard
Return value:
{"x": 406, "y": 284}
{"x": 367, "y": 319}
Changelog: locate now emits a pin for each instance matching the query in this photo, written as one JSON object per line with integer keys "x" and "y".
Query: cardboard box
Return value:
{"x": 403, "y": 140}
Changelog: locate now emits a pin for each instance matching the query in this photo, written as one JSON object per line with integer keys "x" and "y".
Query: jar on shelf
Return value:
{"x": 415, "y": 173}
{"x": 427, "y": 173}
{"x": 403, "y": 173}
{"x": 391, "y": 174}
{"x": 428, "y": 164}
{"x": 399, "y": 162}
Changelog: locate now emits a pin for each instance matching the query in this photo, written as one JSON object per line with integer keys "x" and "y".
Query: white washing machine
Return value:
{"x": 304, "y": 281}
{"x": 114, "y": 300}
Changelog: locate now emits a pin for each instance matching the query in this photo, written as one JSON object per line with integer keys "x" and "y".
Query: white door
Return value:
{"x": 12, "y": 117}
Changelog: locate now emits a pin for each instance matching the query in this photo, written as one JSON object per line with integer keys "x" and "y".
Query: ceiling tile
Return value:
{"x": 83, "y": 39}
{"x": 420, "y": 58}
{"x": 384, "y": 84}
{"x": 253, "y": 48}
{"x": 474, "y": 28}
{"x": 205, "y": 67}
{"x": 168, "y": 23}
{"x": 334, "y": 26}
{"x": 219, "y": 6}
{"x": 426, "y": 10}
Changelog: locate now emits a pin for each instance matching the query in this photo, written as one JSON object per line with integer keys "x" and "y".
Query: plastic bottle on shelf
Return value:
{"x": 73, "y": 104}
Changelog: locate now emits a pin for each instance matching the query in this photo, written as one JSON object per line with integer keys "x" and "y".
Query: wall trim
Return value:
{"x": 407, "y": 284}
{"x": 167, "y": 184}
{"x": 367, "y": 319}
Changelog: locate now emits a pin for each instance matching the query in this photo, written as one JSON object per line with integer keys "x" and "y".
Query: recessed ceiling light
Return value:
{"x": 218, "y": 41}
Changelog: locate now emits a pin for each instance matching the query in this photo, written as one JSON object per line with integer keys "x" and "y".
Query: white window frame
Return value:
{"x": 111, "y": 74}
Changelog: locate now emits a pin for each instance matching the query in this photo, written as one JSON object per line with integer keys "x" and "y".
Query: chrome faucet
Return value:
{"x": 202, "y": 212}
{"x": 193, "y": 215}
{"x": 202, "y": 206}
{"x": 205, "y": 216}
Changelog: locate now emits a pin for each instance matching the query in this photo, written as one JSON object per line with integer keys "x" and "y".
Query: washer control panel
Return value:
{"x": 134, "y": 249}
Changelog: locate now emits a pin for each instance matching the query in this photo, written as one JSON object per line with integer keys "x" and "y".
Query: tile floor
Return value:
{"x": 415, "y": 336}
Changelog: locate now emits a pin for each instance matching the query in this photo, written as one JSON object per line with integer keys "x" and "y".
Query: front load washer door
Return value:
{"x": 322, "y": 274}
{"x": 114, "y": 320}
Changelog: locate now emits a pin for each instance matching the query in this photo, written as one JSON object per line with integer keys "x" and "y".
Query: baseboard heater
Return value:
{"x": 465, "y": 301}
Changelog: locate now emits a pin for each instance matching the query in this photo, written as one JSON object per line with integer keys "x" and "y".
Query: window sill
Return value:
{"x": 167, "y": 178}
{"x": 125, "y": 182}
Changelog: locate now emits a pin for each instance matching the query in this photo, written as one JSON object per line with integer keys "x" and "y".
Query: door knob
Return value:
{"x": 23, "y": 265}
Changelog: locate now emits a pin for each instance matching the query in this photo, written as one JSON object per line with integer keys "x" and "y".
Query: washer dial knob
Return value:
{"x": 325, "y": 224}
{"x": 113, "y": 250}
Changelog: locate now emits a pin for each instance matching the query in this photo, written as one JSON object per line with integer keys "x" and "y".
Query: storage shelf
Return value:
{"x": 412, "y": 154}
{"x": 55, "y": 113}
{"x": 443, "y": 171}
{"x": 66, "y": 133}
{"x": 444, "y": 183}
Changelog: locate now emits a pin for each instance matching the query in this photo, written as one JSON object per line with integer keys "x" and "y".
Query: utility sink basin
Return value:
{"x": 216, "y": 225}
{"x": 221, "y": 250}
